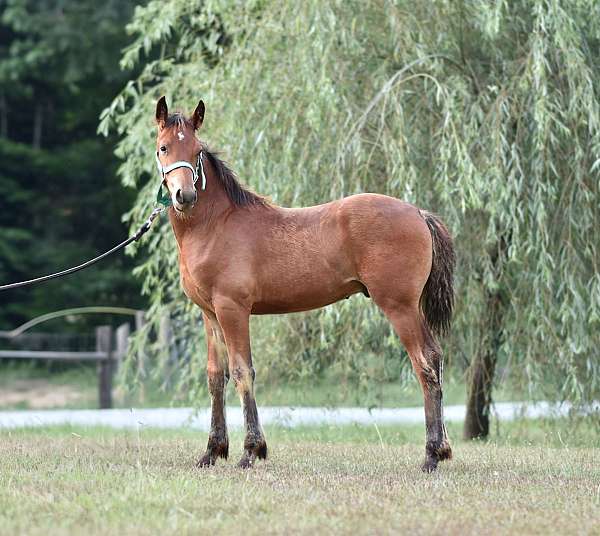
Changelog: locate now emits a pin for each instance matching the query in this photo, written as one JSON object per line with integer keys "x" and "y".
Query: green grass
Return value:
{"x": 331, "y": 392}
{"x": 328, "y": 391}
{"x": 534, "y": 477}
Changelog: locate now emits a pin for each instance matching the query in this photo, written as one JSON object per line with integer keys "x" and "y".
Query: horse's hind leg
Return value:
{"x": 217, "y": 372}
{"x": 427, "y": 361}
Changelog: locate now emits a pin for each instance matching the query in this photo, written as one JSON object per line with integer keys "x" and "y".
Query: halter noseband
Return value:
{"x": 197, "y": 171}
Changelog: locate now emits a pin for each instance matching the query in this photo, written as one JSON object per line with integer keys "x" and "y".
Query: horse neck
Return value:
{"x": 212, "y": 205}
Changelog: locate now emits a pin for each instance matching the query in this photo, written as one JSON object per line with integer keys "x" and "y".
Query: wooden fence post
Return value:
{"x": 140, "y": 320}
{"x": 164, "y": 342}
{"x": 164, "y": 333}
{"x": 122, "y": 341}
{"x": 104, "y": 337}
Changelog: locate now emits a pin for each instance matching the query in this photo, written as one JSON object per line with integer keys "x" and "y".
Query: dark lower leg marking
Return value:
{"x": 426, "y": 358}
{"x": 437, "y": 447}
{"x": 218, "y": 447}
{"x": 255, "y": 445}
{"x": 218, "y": 442}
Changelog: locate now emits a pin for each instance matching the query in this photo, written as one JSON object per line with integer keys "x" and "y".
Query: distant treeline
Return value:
{"x": 61, "y": 200}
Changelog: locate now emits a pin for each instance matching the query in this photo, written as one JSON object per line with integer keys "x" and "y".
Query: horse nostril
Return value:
{"x": 189, "y": 196}
{"x": 186, "y": 197}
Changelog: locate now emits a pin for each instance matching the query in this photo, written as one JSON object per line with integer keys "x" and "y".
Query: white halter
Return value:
{"x": 164, "y": 170}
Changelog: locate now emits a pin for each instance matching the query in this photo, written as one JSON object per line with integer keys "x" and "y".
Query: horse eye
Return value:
{"x": 163, "y": 149}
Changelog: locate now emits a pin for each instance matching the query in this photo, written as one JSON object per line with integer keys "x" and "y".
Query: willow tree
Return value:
{"x": 484, "y": 112}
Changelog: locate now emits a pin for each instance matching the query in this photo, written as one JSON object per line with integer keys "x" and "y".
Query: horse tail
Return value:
{"x": 437, "y": 299}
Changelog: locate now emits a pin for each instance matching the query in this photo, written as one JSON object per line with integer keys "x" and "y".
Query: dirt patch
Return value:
{"x": 39, "y": 394}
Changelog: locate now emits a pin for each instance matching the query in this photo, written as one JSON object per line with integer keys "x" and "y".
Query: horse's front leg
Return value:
{"x": 234, "y": 321}
{"x": 218, "y": 375}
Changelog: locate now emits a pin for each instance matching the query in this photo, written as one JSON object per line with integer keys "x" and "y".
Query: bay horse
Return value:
{"x": 240, "y": 254}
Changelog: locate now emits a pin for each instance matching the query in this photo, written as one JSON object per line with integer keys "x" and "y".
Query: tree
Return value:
{"x": 61, "y": 202}
{"x": 485, "y": 113}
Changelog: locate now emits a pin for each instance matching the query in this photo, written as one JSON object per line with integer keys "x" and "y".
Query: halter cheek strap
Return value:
{"x": 165, "y": 199}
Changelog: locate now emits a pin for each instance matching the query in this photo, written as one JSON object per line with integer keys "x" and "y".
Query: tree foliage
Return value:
{"x": 60, "y": 197}
{"x": 484, "y": 112}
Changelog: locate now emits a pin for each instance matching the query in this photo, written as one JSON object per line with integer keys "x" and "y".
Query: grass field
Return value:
{"x": 29, "y": 387}
{"x": 534, "y": 477}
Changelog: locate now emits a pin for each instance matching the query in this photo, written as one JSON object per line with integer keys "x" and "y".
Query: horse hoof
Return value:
{"x": 206, "y": 461}
{"x": 216, "y": 449}
{"x": 435, "y": 453}
{"x": 429, "y": 466}
{"x": 251, "y": 455}
{"x": 247, "y": 461}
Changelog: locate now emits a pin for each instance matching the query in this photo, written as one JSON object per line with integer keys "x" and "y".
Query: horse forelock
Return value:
{"x": 179, "y": 121}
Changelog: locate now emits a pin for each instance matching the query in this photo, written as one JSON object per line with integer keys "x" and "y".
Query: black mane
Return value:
{"x": 238, "y": 194}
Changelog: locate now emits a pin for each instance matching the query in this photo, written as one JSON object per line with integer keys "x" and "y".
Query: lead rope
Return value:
{"x": 140, "y": 232}
{"x": 164, "y": 201}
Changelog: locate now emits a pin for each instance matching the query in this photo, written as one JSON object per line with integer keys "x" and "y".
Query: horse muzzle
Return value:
{"x": 184, "y": 199}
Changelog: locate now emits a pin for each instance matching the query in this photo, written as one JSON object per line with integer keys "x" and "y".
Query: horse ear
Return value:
{"x": 162, "y": 112}
{"x": 198, "y": 116}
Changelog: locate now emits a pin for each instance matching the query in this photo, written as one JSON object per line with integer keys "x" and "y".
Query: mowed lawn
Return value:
{"x": 534, "y": 478}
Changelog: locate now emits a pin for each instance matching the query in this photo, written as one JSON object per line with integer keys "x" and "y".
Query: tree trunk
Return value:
{"x": 481, "y": 377}
{"x": 38, "y": 119}
{"x": 477, "y": 419}
{"x": 3, "y": 117}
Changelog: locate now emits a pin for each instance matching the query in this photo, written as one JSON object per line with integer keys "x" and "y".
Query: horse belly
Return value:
{"x": 295, "y": 302}
{"x": 295, "y": 291}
